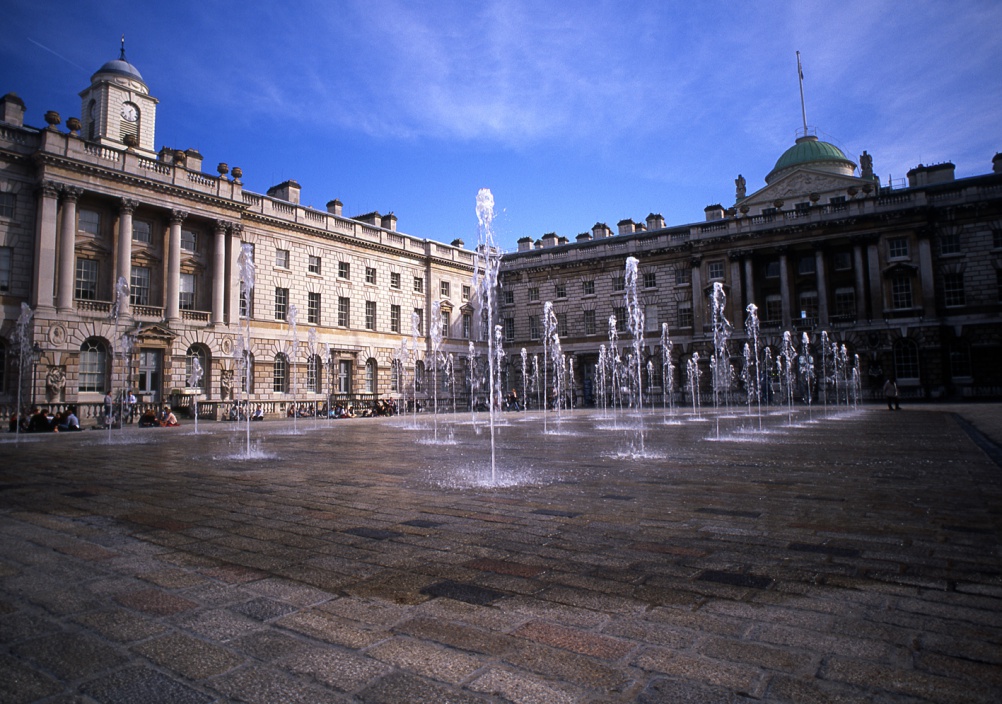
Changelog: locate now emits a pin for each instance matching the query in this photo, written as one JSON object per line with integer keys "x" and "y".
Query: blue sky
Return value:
{"x": 572, "y": 113}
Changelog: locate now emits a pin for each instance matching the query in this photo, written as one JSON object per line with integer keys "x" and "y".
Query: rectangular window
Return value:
{"x": 467, "y": 326}
{"x": 837, "y": 202}
{"x": 683, "y": 276}
{"x": 446, "y": 325}
{"x": 246, "y": 303}
{"x": 344, "y": 270}
{"x": 953, "y": 289}
{"x": 418, "y": 284}
{"x": 187, "y": 297}
{"x": 189, "y": 241}
{"x": 715, "y": 270}
{"x": 588, "y": 287}
{"x": 533, "y": 327}
{"x": 314, "y": 265}
{"x": 282, "y": 258}
{"x": 89, "y": 221}
{"x": 509, "y": 329}
{"x": 845, "y": 303}
{"x": 139, "y": 286}
{"x": 444, "y": 289}
{"x": 281, "y": 303}
{"x": 650, "y": 279}
{"x": 960, "y": 360}
{"x": 395, "y": 318}
{"x": 395, "y": 280}
{"x": 562, "y": 329}
{"x": 809, "y": 304}
{"x": 313, "y": 308}
{"x": 806, "y": 266}
{"x": 560, "y": 290}
{"x": 142, "y": 231}
{"x": 901, "y": 292}
{"x": 370, "y": 275}
{"x": 343, "y": 311}
{"x": 685, "y": 315}
{"x": 620, "y": 313}
{"x": 370, "y": 315}
{"x": 533, "y": 293}
{"x": 7, "y": 201}
{"x": 842, "y": 261}
{"x": 6, "y": 268}
{"x": 417, "y": 321}
{"x": 86, "y": 282}
{"x": 772, "y": 269}
{"x": 949, "y": 241}
{"x": 589, "y": 322}
{"x": 651, "y": 323}
{"x": 619, "y": 283}
{"x": 773, "y": 309}
{"x": 897, "y": 248}
{"x": 508, "y": 296}
{"x": 467, "y": 292}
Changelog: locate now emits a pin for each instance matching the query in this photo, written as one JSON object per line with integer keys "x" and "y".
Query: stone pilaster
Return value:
{"x": 173, "y": 301}
{"x": 67, "y": 249}
{"x": 45, "y": 246}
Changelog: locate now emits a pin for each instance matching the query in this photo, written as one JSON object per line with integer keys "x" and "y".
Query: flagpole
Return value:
{"x": 803, "y": 109}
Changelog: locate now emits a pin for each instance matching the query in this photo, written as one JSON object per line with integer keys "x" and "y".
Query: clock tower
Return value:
{"x": 117, "y": 108}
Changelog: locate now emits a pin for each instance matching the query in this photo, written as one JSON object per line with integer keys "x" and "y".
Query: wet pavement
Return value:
{"x": 853, "y": 558}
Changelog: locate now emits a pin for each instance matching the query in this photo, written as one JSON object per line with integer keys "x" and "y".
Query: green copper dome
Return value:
{"x": 809, "y": 150}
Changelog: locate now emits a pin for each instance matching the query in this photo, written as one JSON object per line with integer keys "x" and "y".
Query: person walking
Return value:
{"x": 891, "y": 395}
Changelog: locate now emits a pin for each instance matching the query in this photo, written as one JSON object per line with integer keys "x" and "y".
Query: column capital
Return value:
{"x": 222, "y": 226}
{"x": 178, "y": 216}
{"x": 237, "y": 229}
{"x": 128, "y": 205}
{"x": 50, "y": 189}
{"x": 71, "y": 193}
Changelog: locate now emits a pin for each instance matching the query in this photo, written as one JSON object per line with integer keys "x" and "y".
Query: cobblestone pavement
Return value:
{"x": 854, "y": 558}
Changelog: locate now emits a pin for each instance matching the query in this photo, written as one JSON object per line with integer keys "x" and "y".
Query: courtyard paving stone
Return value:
{"x": 851, "y": 557}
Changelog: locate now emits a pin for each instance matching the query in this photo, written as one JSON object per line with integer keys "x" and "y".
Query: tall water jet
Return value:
{"x": 487, "y": 278}
{"x": 787, "y": 356}
{"x": 194, "y": 382}
{"x": 807, "y": 372}
{"x": 549, "y": 332}
{"x": 693, "y": 373}
{"x": 436, "y": 351}
{"x": 25, "y": 357}
{"x": 721, "y": 357}
{"x": 823, "y": 385}
{"x": 395, "y": 370}
{"x": 293, "y": 355}
{"x": 601, "y": 373}
{"x": 752, "y": 331}
{"x": 635, "y": 324}
{"x": 415, "y": 331}
{"x": 121, "y": 297}
{"x": 667, "y": 370}
{"x": 312, "y": 370}
{"x": 525, "y": 378}
{"x": 535, "y": 380}
{"x": 245, "y": 261}
{"x": 472, "y": 373}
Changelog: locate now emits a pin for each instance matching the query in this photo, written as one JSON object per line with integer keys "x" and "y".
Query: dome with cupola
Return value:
{"x": 811, "y": 152}
{"x": 119, "y": 68}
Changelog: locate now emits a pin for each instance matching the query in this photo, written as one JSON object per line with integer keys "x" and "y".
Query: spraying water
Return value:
{"x": 194, "y": 381}
{"x": 635, "y": 323}
{"x": 121, "y": 297}
{"x": 667, "y": 370}
{"x": 721, "y": 358}
{"x": 487, "y": 280}
{"x": 756, "y": 381}
{"x": 245, "y": 261}
{"x": 693, "y": 372}
{"x": 436, "y": 351}
{"x": 549, "y": 333}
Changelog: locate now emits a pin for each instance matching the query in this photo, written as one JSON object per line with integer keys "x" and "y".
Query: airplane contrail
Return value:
{"x": 42, "y": 46}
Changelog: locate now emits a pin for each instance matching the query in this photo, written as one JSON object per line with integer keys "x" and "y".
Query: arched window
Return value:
{"x": 906, "y": 360}
{"x": 245, "y": 369}
{"x": 314, "y": 369}
{"x": 418, "y": 375}
{"x": 93, "y": 365}
{"x": 396, "y": 375}
{"x": 196, "y": 368}
{"x": 370, "y": 376}
{"x": 280, "y": 375}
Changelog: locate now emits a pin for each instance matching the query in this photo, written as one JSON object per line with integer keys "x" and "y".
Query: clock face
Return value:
{"x": 129, "y": 112}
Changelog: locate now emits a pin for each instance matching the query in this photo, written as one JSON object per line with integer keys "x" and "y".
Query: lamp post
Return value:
{"x": 36, "y": 356}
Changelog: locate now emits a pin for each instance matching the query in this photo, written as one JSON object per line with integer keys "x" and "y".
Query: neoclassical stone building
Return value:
{"x": 906, "y": 277}
{"x": 87, "y": 209}
{"x": 909, "y": 278}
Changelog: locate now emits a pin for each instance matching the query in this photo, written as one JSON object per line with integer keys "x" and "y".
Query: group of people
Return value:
{"x": 40, "y": 421}
{"x": 165, "y": 418}
{"x": 238, "y": 411}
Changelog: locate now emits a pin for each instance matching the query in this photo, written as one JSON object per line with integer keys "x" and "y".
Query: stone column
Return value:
{"x": 750, "y": 280}
{"x": 697, "y": 297}
{"x": 737, "y": 309}
{"x": 45, "y": 246}
{"x": 857, "y": 263}
{"x": 784, "y": 289}
{"x": 233, "y": 305}
{"x": 822, "y": 280}
{"x": 219, "y": 274}
{"x": 67, "y": 249}
{"x": 876, "y": 285}
{"x": 173, "y": 287}
{"x": 925, "y": 274}
{"x": 125, "y": 249}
